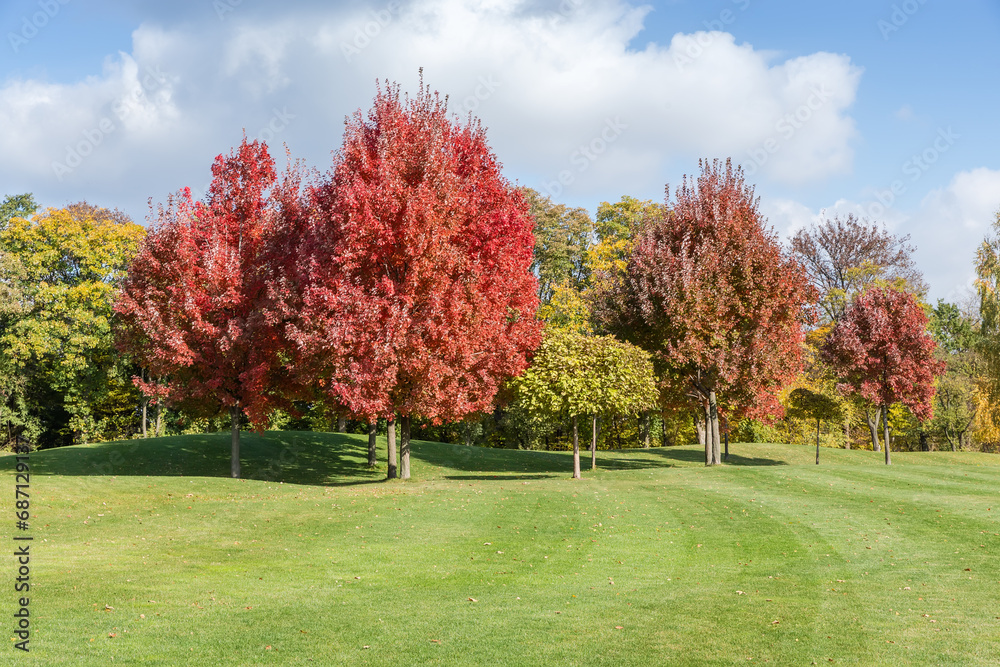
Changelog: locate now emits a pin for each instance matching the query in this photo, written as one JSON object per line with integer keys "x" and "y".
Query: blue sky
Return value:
{"x": 883, "y": 109}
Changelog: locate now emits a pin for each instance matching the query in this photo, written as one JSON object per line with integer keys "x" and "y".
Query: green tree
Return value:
{"x": 562, "y": 237}
{"x": 957, "y": 399}
{"x": 70, "y": 262}
{"x": 574, "y": 375}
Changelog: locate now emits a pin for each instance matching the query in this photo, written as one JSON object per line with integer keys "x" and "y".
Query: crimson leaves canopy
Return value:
{"x": 709, "y": 291}
{"x": 882, "y": 350}
{"x": 193, "y": 307}
{"x": 416, "y": 291}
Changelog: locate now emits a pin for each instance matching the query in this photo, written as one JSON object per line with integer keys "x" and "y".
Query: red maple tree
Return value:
{"x": 417, "y": 298}
{"x": 882, "y": 350}
{"x": 194, "y": 309}
{"x": 709, "y": 291}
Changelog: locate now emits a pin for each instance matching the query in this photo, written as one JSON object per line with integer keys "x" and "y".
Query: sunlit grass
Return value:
{"x": 498, "y": 557}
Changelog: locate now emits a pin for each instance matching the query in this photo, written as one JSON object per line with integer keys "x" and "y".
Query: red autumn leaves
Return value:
{"x": 882, "y": 351}
{"x": 398, "y": 285}
{"x": 709, "y": 291}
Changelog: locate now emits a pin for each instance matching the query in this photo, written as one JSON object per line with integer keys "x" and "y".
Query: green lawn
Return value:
{"x": 498, "y": 557}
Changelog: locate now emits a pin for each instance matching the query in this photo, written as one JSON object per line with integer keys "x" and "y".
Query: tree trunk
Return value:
{"x": 872, "y": 417}
{"x": 644, "y": 428}
{"x": 372, "y": 437}
{"x": 699, "y": 427}
{"x": 391, "y": 448}
{"x": 159, "y": 418}
{"x": 885, "y": 433}
{"x": 725, "y": 436}
{"x": 341, "y": 423}
{"x": 663, "y": 431}
{"x": 404, "y": 448}
{"x": 234, "y": 463}
{"x": 145, "y": 405}
{"x": 817, "y": 441}
{"x": 706, "y": 435}
{"x": 716, "y": 442}
{"x": 576, "y": 451}
{"x": 593, "y": 447}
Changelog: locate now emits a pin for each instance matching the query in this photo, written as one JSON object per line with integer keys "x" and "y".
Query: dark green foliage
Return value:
{"x": 562, "y": 237}
{"x": 952, "y": 330}
{"x": 812, "y": 405}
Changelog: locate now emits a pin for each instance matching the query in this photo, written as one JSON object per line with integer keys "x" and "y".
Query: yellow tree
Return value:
{"x": 617, "y": 227}
{"x": 71, "y": 262}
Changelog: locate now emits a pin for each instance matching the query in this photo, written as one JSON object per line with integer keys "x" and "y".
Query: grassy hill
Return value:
{"x": 498, "y": 557}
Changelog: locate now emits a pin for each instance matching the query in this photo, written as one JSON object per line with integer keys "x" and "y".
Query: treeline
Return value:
{"x": 412, "y": 285}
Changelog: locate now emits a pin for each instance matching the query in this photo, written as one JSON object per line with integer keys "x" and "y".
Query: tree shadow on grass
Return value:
{"x": 334, "y": 459}
{"x": 502, "y": 462}
{"x": 689, "y": 455}
{"x": 492, "y": 477}
{"x": 281, "y": 456}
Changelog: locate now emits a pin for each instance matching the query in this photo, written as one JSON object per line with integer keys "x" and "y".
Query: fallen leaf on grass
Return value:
{"x": 111, "y": 634}
{"x": 473, "y": 600}
{"x": 436, "y": 641}
{"x": 775, "y": 622}
{"x": 618, "y": 627}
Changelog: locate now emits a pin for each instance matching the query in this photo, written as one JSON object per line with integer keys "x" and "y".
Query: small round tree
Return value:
{"x": 574, "y": 375}
{"x": 813, "y": 405}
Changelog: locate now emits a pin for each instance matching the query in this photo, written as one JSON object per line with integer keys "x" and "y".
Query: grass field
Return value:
{"x": 144, "y": 552}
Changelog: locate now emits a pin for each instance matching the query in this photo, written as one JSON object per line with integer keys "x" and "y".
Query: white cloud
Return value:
{"x": 950, "y": 225}
{"x": 546, "y": 84}
{"x": 788, "y": 216}
{"x": 946, "y": 228}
